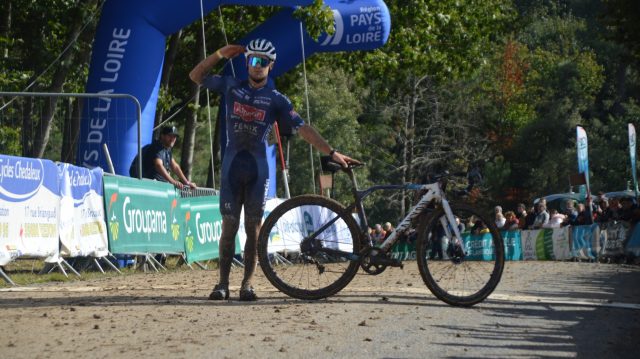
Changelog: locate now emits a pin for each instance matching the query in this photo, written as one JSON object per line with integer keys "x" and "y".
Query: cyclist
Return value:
{"x": 252, "y": 108}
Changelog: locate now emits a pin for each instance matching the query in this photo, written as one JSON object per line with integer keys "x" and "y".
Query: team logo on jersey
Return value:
{"x": 248, "y": 113}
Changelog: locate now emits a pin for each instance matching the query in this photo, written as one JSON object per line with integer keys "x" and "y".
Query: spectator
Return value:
{"x": 511, "y": 222}
{"x": 583, "y": 216}
{"x": 628, "y": 210}
{"x": 500, "y": 219}
{"x": 570, "y": 212}
{"x": 521, "y": 214}
{"x": 555, "y": 219}
{"x": 479, "y": 228}
{"x": 530, "y": 218}
{"x": 387, "y": 228}
{"x": 612, "y": 212}
{"x": 542, "y": 216}
{"x": 158, "y": 162}
{"x": 378, "y": 234}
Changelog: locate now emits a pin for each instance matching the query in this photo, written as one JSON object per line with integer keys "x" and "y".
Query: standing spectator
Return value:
{"x": 521, "y": 214}
{"x": 571, "y": 213}
{"x": 530, "y": 218}
{"x": 158, "y": 162}
{"x": 500, "y": 219}
{"x": 387, "y": 228}
{"x": 542, "y": 216}
{"x": 628, "y": 210}
{"x": 583, "y": 215}
{"x": 511, "y": 222}
{"x": 555, "y": 219}
{"x": 378, "y": 234}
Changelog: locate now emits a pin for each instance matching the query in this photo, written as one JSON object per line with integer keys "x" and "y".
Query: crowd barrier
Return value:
{"x": 612, "y": 240}
{"x": 63, "y": 211}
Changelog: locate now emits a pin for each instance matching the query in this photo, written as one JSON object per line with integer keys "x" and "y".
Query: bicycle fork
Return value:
{"x": 451, "y": 229}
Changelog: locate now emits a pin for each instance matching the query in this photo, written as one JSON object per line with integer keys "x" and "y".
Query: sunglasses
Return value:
{"x": 254, "y": 61}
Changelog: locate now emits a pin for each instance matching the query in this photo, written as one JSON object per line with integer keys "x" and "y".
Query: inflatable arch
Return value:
{"x": 128, "y": 55}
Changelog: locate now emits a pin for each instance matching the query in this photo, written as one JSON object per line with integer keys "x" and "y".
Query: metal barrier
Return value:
{"x": 16, "y": 122}
{"x": 198, "y": 192}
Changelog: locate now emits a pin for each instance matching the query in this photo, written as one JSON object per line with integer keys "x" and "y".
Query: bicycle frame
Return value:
{"x": 433, "y": 192}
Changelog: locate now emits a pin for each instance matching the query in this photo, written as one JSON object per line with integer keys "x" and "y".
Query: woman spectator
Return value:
{"x": 511, "y": 221}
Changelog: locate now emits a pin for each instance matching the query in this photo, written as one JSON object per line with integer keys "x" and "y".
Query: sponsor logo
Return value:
{"x": 20, "y": 178}
{"x": 208, "y": 231}
{"x": 248, "y": 113}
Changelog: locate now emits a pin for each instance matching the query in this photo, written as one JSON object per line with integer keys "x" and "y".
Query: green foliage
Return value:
{"x": 317, "y": 18}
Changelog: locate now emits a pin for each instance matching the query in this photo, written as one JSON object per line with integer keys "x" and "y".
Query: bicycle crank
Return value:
{"x": 374, "y": 262}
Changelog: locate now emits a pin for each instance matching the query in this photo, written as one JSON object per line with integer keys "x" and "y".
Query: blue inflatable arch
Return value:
{"x": 128, "y": 55}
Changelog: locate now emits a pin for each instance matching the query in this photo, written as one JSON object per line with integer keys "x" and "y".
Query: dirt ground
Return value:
{"x": 540, "y": 309}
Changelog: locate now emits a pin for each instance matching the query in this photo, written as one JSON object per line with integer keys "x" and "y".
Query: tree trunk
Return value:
{"x": 27, "y": 127}
{"x": 5, "y": 26}
{"x": 43, "y": 130}
{"x": 190, "y": 126}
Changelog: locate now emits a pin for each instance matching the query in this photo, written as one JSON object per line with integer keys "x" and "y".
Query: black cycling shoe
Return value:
{"x": 220, "y": 292}
{"x": 248, "y": 295}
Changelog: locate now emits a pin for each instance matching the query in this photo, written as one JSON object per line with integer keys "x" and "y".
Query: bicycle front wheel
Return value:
{"x": 460, "y": 273}
{"x": 310, "y": 269}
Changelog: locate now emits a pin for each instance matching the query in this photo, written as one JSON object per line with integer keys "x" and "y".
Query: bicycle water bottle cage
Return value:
{"x": 329, "y": 165}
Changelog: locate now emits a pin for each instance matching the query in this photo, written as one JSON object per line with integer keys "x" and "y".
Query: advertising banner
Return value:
{"x": 561, "y": 238}
{"x": 583, "y": 159}
{"x": 480, "y": 246}
{"x": 404, "y": 250}
{"x": 512, "y": 245}
{"x": 632, "y": 155}
{"x": 613, "y": 236}
{"x": 537, "y": 244}
{"x": 83, "y": 231}
{"x": 585, "y": 241}
{"x": 202, "y": 228}
{"x": 296, "y": 224}
{"x": 142, "y": 216}
{"x": 633, "y": 245}
{"x": 29, "y": 208}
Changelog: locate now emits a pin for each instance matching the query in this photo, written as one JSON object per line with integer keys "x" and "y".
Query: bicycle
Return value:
{"x": 310, "y": 247}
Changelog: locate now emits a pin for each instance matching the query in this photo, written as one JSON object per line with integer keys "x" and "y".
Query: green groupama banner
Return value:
{"x": 142, "y": 216}
{"x": 202, "y": 223}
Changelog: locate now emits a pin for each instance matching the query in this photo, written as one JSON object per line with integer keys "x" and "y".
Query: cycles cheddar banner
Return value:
{"x": 29, "y": 208}
{"x": 83, "y": 231}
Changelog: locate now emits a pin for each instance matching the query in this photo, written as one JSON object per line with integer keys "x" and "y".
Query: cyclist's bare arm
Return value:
{"x": 313, "y": 137}
{"x": 202, "y": 69}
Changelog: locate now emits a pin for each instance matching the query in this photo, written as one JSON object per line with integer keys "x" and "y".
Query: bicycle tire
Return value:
{"x": 310, "y": 276}
{"x": 457, "y": 280}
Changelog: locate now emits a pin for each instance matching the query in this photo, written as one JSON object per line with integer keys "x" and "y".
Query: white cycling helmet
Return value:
{"x": 261, "y": 47}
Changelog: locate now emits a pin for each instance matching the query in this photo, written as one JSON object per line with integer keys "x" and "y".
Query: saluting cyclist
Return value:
{"x": 252, "y": 108}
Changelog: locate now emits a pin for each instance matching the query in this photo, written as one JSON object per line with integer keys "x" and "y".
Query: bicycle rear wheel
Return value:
{"x": 300, "y": 271}
{"x": 460, "y": 275}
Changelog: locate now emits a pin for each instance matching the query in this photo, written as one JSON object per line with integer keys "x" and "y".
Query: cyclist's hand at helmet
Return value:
{"x": 231, "y": 51}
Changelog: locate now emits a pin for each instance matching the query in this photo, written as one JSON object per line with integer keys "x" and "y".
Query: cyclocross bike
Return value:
{"x": 311, "y": 247}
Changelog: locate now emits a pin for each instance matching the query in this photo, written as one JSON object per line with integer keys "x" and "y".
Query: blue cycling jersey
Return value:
{"x": 250, "y": 115}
